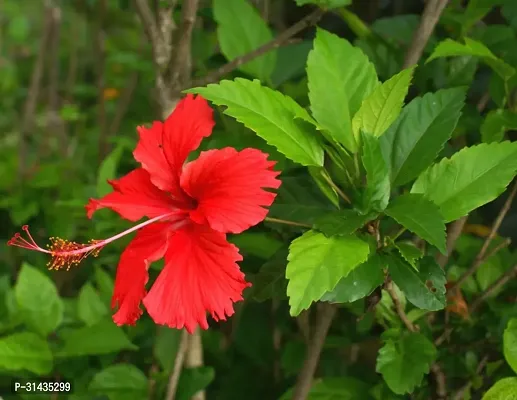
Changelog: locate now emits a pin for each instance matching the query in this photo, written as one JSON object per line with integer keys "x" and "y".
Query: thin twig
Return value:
{"x": 336, "y": 187}
{"x": 441, "y": 381}
{"x": 54, "y": 122}
{"x": 503, "y": 280}
{"x": 215, "y": 75}
{"x": 430, "y": 17}
{"x": 453, "y": 234}
{"x": 398, "y": 307}
{"x": 285, "y": 222}
{"x": 459, "y": 395}
{"x": 482, "y": 256}
{"x": 100, "y": 58}
{"x": 325, "y": 315}
{"x": 477, "y": 264}
{"x": 31, "y": 101}
{"x": 178, "y": 365}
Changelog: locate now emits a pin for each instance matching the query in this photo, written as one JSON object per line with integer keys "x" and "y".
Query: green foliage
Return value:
{"x": 374, "y": 160}
{"x": 377, "y": 193}
{"x": 425, "y": 287}
{"x": 25, "y": 351}
{"x": 317, "y": 263}
{"x": 404, "y": 361}
{"x": 449, "y": 48}
{"x": 240, "y": 29}
{"x": 359, "y": 283}
{"x": 38, "y": 300}
{"x": 510, "y": 344}
{"x": 417, "y": 136}
{"x": 325, "y": 3}
{"x": 102, "y": 338}
{"x": 469, "y": 179}
{"x": 120, "y": 381}
{"x": 381, "y": 108}
{"x": 276, "y": 118}
{"x": 420, "y": 216}
{"x": 503, "y": 389}
{"x": 339, "y": 78}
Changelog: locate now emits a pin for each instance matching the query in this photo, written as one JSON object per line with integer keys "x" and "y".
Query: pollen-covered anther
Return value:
{"x": 65, "y": 253}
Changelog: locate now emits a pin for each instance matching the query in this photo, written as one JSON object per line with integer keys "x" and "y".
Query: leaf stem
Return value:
{"x": 335, "y": 187}
{"x": 286, "y": 222}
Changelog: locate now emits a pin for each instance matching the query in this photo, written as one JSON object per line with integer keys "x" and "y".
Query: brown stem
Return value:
{"x": 453, "y": 234}
{"x": 459, "y": 395}
{"x": 285, "y": 222}
{"x": 441, "y": 381}
{"x": 31, "y": 101}
{"x": 482, "y": 256}
{"x": 100, "y": 58}
{"x": 182, "y": 67}
{"x": 325, "y": 315}
{"x": 303, "y": 320}
{"x": 54, "y": 122}
{"x": 178, "y": 365}
{"x": 479, "y": 260}
{"x": 215, "y": 75}
{"x": 430, "y": 17}
{"x": 195, "y": 358}
{"x": 503, "y": 280}
{"x": 398, "y": 307}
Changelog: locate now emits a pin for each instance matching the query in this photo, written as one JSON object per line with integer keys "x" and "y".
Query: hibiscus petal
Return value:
{"x": 149, "y": 245}
{"x": 200, "y": 275}
{"x": 229, "y": 188}
{"x": 164, "y": 147}
{"x": 134, "y": 197}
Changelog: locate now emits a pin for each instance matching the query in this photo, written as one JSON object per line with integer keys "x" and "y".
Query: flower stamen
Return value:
{"x": 65, "y": 253}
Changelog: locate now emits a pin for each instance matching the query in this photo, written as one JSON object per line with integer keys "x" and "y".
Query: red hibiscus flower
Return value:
{"x": 190, "y": 208}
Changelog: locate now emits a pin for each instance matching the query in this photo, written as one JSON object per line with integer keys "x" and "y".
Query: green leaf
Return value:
{"x": 452, "y": 48}
{"x": 258, "y": 244}
{"x": 381, "y": 108}
{"x": 102, "y": 338}
{"x": 510, "y": 344}
{"x": 495, "y": 125}
{"x": 38, "y": 301}
{"x": 503, "y": 389}
{"x": 192, "y": 380}
{"x": 471, "y": 178}
{"x": 316, "y": 263}
{"x": 105, "y": 284}
{"x": 270, "y": 281}
{"x": 420, "y": 216}
{"x": 414, "y": 140}
{"x": 90, "y": 307}
{"x": 409, "y": 252}
{"x": 340, "y": 76}
{"x": 299, "y": 200}
{"x": 424, "y": 288}
{"x": 240, "y": 30}
{"x": 341, "y": 223}
{"x": 378, "y": 187}
{"x": 25, "y": 351}
{"x": 342, "y": 388}
{"x": 404, "y": 362}
{"x": 108, "y": 170}
{"x": 166, "y": 346}
{"x": 120, "y": 382}
{"x": 359, "y": 283}
{"x": 275, "y": 117}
